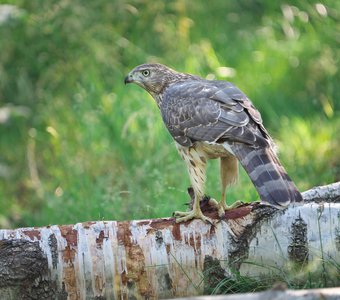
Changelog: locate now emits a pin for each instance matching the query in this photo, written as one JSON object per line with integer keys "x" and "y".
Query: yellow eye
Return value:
{"x": 146, "y": 73}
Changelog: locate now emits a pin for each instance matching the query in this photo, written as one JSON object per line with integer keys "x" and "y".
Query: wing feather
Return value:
{"x": 212, "y": 111}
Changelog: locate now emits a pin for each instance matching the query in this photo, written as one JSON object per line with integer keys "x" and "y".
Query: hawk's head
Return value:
{"x": 154, "y": 78}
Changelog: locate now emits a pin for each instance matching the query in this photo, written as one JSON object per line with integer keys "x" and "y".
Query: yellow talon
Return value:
{"x": 183, "y": 216}
{"x": 222, "y": 206}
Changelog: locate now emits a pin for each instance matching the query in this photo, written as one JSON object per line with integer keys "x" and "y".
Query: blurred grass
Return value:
{"x": 77, "y": 145}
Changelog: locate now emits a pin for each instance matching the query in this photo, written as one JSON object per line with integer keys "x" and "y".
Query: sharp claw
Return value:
{"x": 210, "y": 222}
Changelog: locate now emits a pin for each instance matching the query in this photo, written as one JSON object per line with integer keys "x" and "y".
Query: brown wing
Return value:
{"x": 212, "y": 111}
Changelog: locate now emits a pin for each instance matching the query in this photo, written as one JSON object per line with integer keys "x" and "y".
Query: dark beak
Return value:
{"x": 128, "y": 79}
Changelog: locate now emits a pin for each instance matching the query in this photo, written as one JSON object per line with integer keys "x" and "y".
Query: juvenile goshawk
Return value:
{"x": 213, "y": 119}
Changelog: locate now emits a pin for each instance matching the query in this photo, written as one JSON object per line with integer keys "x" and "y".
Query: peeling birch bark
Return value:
{"x": 151, "y": 259}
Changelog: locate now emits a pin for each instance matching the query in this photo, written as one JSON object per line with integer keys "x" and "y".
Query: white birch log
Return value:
{"x": 152, "y": 259}
{"x": 313, "y": 294}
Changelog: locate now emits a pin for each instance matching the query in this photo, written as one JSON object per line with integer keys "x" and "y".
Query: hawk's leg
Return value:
{"x": 196, "y": 164}
{"x": 229, "y": 176}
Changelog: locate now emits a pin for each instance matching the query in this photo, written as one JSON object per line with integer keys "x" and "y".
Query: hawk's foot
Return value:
{"x": 183, "y": 216}
{"x": 222, "y": 207}
{"x": 203, "y": 203}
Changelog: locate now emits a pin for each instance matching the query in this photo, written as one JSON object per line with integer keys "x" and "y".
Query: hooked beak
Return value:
{"x": 128, "y": 79}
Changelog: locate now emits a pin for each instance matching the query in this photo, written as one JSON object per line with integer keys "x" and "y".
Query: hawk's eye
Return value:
{"x": 146, "y": 73}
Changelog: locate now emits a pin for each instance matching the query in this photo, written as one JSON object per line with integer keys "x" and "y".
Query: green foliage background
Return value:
{"x": 77, "y": 145}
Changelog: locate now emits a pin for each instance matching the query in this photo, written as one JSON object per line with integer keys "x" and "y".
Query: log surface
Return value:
{"x": 314, "y": 294}
{"x": 152, "y": 259}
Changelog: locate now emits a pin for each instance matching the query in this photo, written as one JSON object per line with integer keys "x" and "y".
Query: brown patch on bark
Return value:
{"x": 135, "y": 279}
{"x": 69, "y": 280}
{"x": 32, "y": 233}
{"x": 160, "y": 224}
{"x": 144, "y": 222}
{"x": 88, "y": 224}
{"x": 70, "y": 234}
{"x": 194, "y": 241}
{"x": 68, "y": 255}
{"x": 99, "y": 240}
{"x": 176, "y": 232}
{"x": 71, "y": 237}
{"x": 238, "y": 212}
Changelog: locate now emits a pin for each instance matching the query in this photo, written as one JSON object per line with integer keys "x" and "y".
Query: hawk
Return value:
{"x": 211, "y": 119}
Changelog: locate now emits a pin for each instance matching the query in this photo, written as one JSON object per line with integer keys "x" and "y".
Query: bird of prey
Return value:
{"x": 211, "y": 119}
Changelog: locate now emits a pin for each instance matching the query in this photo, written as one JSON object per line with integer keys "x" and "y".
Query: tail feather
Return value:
{"x": 268, "y": 175}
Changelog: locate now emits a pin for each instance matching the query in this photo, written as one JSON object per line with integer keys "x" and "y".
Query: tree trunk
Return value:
{"x": 161, "y": 259}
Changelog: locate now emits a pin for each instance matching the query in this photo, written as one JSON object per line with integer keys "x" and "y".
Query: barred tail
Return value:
{"x": 268, "y": 175}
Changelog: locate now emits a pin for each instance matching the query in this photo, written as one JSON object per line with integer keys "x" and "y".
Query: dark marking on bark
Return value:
{"x": 53, "y": 244}
{"x": 337, "y": 238}
{"x": 168, "y": 281}
{"x": 159, "y": 239}
{"x": 217, "y": 280}
{"x": 133, "y": 293}
{"x": 328, "y": 197}
{"x": 24, "y": 272}
{"x": 213, "y": 274}
{"x": 298, "y": 247}
{"x": 165, "y": 286}
{"x": 239, "y": 247}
